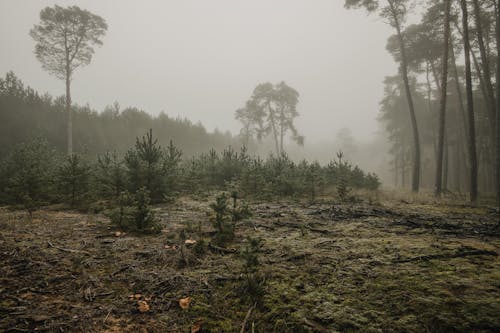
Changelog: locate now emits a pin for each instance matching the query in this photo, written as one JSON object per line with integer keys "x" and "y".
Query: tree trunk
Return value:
{"x": 282, "y": 131}
{"x": 429, "y": 107}
{"x": 485, "y": 64}
{"x": 445, "y": 162}
{"x": 442, "y": 102}
{"x": 273, "y": 125}
{"x": 404, "y": 71}
{"x": 68, "y": 111}
{"x": 459, "y": 90}
{"x": 497, "y": 160}
{"x": 470, "y": 106}
{"x": 403, "y": 168}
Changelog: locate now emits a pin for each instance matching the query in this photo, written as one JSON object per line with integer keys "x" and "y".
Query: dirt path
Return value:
{"x": 388, "y": 268}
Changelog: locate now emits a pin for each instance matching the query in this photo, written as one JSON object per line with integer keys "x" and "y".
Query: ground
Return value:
{"x": 325, "y": 267}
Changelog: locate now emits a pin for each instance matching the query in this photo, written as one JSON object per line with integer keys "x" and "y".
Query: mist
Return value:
{"x": 202, "y": 59}
{"x": 250, "y": 166}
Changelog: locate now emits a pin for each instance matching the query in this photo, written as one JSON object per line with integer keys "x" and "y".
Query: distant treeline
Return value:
{"x": 26, "y": 115}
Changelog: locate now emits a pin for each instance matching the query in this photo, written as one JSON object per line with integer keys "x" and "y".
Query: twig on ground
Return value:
{"x": 249, "y": 312}
{"x": 66, "y": 250}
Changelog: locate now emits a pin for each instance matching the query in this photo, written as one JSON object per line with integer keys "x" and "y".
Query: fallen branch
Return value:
{"x": 221, "y": 249}
{"x": 122, "y": 269}
{"x": 249, "y": 312}
{"x": 458, "y": 254}
{"x": 317, "y": 327}
{"x": 66, "y": 250}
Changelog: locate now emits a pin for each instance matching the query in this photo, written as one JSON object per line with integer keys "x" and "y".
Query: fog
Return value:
{"x": 202, "y": 59}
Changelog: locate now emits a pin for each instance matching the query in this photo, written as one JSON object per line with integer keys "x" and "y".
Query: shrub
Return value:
{"x": 26, "y": 175}
{"x": 254, "y": 281}
{"x": 134, "y": 213}
{"x": 225, "y": 231}
{"x": 73, "y": 179}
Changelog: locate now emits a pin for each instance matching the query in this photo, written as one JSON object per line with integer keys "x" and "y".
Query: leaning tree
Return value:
{"x": 396, "y": 11}
{"x": 65, "y": 40}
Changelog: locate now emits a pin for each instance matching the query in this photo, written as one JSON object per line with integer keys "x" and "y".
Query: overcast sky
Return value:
{"x": 201, "y": 59}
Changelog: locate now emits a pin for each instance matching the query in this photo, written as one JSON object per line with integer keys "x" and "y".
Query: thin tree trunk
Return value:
{"x": 485, "y": 63}
{"x": 497, "y": 159}
{"x": 282, "y": 131}
{"x": 445, "y": 161}
{"x": 396, "y": 165}
{"x": 429, "y": 107}
{"x": 459, "y": 90}
{"x": 403, "y": 168}
{"x": 404, "y": 71}
{"x": 457, "y": 171}
{"x": 273, "y": 125}
{"x": 470, "y": 106}
{"x": 442, "y": 102}
{"x": 68, "y": 111}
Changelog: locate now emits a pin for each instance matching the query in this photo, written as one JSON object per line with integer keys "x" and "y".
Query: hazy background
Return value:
{"x": 202, "y": 59}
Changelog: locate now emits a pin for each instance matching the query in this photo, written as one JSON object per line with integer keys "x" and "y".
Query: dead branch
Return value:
{"x": 249, "y": 312}
{"x": 66, "y": 250}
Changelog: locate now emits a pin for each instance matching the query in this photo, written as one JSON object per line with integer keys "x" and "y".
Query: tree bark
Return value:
{"x": 485, "y": 64}
{"x": 442, "y": 102}
{"x": 404, "y": 71}
{"x": 497, "y": 159}
{"x": 273, "y": 125}
{"x": 470, "y": 105}
{"x": 68, "y": 110}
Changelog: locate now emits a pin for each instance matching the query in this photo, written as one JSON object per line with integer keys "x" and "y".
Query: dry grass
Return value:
{"x": 388, "y": 267}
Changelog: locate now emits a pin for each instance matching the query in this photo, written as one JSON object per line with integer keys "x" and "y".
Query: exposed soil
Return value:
{"x": 360, "y": 267}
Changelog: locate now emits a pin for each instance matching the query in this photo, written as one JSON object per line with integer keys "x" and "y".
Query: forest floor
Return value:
{"x": 386, "y": 267}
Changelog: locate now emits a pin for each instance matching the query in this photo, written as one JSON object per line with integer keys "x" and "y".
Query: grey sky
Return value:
{"x": 202, "y": 59}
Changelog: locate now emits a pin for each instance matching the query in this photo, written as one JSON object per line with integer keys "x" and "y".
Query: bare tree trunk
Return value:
{"x": 396, "y": 165}
{"x": 497, "y": 160}
{"x": 442, "y": 102}
{"x": 459, "y": 90}
{"x": 485, "y": 64}
{"x": 282, "y": 132}
{"x": 68, "y": 111}
{"x": 470, "y": 106}
{"x": 403, "y": 168}
{"x": 429, "y": 107}
{"x": 445, "y": 162}
{"x": 404, "y": 71}
{"x": 458, "y": 163}
{"x": 275, "y": 133}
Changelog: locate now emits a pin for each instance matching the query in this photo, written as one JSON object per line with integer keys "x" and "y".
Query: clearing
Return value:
{"x": 388, "y": 267}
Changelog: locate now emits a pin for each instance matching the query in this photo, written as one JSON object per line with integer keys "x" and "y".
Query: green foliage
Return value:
{"x": 144, "y": 166}
{"x": 109, "y": 176}
{"x": 200, "y": 247}
{"x": 134, "y": 213}
{"x": 225, "y": 231}
{"x": 270, "y": 110}
{"x": 164, "y": 175}
{"x": 254, "y": 280}
{"x": 86, "y": 30}
{"x": 26, "y": 174}
{"x": 342, "y": 188}
{"x": 74, "y": 179}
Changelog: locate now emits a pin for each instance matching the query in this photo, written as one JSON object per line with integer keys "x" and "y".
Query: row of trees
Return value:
{"x": 453, "y": 109}
{"x": 25, "y": 115}
{"x": 35, "y": 173}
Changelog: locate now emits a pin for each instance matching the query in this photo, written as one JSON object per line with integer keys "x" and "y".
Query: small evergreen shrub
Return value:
{"x": 134, "y": 213}
{"x": 225, "y": 231}
{"x": 254, "y": 280}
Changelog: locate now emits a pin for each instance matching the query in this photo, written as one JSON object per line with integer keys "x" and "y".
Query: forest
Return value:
{"x": 123, "y": 219}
